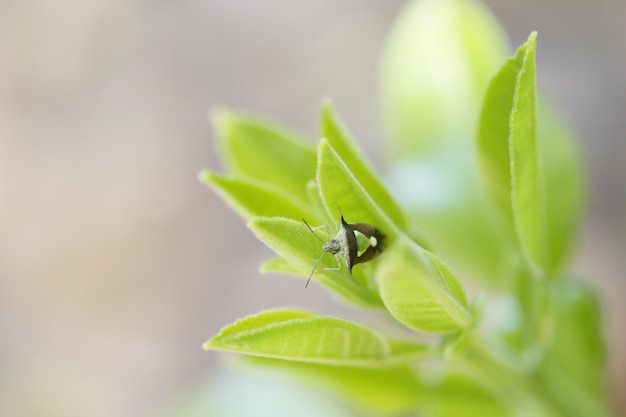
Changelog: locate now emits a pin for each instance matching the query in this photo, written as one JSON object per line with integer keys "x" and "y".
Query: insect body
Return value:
{"x": 355, "y": 243}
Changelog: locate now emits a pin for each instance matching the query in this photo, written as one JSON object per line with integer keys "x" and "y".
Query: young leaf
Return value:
{"x": 340, "y": 190}
{"x": 493, "y": 136}
{"x": 510, "y": 156}
{"x": 458, "y": 395}
{"x": 252, "y": 198}
{"x": 257, "y": 149}
{"x": 334, "y": 131}
{"x": 298, "y": 336}
{"x": 419, "y": 291}
{"x": 388, "y": 391}
{"x": 261, "y": 319}
{"x": 294, "y": 242}
{"x": 527, "y": 188}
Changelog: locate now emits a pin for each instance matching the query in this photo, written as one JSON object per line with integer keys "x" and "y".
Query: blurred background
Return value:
{"x": 116, "y": 263}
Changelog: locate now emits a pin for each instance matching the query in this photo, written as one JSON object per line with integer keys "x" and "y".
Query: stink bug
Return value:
{"x": 355, "y": 243}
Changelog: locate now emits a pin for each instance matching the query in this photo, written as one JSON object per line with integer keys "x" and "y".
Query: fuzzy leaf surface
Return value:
{"x": 529, "y": 211}
{"x": 258, "y": 149}
{"x": 251, "y": 198}
{"x": 340, "y": 190}
{"x": 420, "y": 292}
{"x": 340, "y": 139}
{"x": 525, "y": 174}
{"x": 300, "y": 336}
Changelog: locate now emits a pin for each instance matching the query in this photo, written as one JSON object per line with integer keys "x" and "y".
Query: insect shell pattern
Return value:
{"x": 356, "y": 243}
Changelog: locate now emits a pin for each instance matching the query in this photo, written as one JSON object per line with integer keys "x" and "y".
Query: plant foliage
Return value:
{"x": 501, "y": 217}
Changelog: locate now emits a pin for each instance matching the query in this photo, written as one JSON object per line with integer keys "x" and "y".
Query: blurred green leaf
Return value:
{"x": 266, "y": 152}
{"x": 574, "y": 369}
{"x": 294, "y": 242}
{"x": 445, "y": 200}
{"x": 458, "y": 395}
{"x": 338, "y": 137}
{"x": 278, "y": 265}
{"x": 438, "y": 59}
{"x": 419, "y": 291}
{"x": 251, "y": 198}
{"x": 388, "y": 391}
{"x": 564, "y": 183}
{"x": 265, "y": 394}
{"x": 301, "y": 336}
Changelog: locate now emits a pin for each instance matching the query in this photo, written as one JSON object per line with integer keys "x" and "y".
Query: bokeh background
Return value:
{"x": 116, "y": 263}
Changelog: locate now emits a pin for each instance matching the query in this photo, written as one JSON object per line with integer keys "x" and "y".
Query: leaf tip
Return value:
{"x": 260, "y": 223}
{"x": 531, "y": 42}
{"x": 326, "y": 105}
{"x": 266, "y": 267}
{"x": 208, "y": 345}
{"x": 252, "y": 223}
{"x": 205, "y": 176}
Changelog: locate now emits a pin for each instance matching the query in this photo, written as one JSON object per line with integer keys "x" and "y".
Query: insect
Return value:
{"x": 355, "y": 243}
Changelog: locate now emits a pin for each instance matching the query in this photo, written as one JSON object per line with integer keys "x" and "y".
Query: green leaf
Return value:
{"x": 251, "y": 198}
{"x": 574, "y": 369}
{"x": 337, "y": 135}
{"x": 438, "y": 60}
{"x": 533, "y": 178}
{"x": 419, "y": 291}
{"x": 388, "y": 391}
{"x": 258, "y": 149}
{"x": 564, "y": 184}
{"x": 340, "y": 189}
{"x": 510, "y": 155}
{"x": 278, "y": 265}
{"x": 259, "y": 320}
{"x": 527, "y": 189}
{"x": 316, "y": 204}
{"x": 301, "y": 249}
{"x": 407, "y": 352}
{"x": 446, "y": 279}
{"x": 458, "y": 395}
{"x": 299, "y": 336}
{"x": 493, "y": 136}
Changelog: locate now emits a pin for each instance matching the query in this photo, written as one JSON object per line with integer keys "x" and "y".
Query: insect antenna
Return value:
{"x": 313, "y": 271}
{"x": 314, "y": 234}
